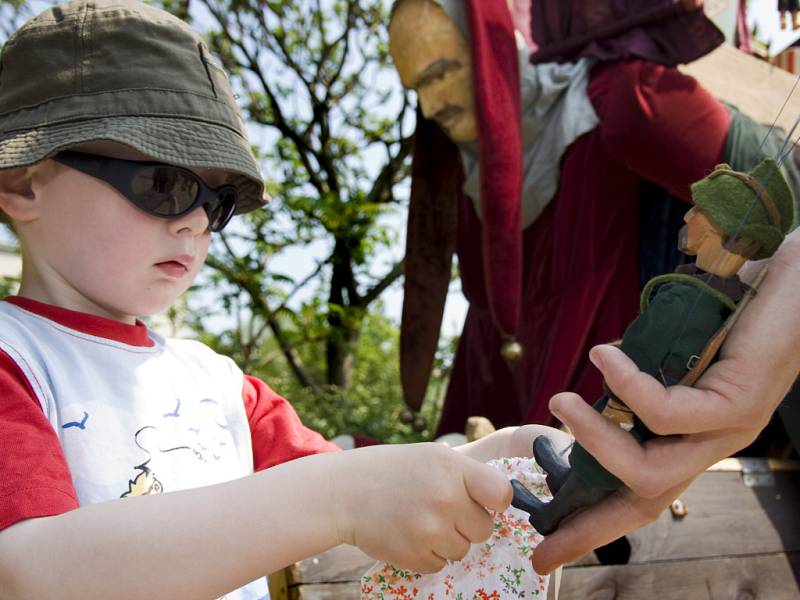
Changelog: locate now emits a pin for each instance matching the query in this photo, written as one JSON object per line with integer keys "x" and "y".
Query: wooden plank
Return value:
{"x": 725, "y": 518}
{"x": 326, "y": 591}
{"x": 278, "y": 586}
{"x": 344, "y": 591}
{"x": 759, "y": 465}
{"x": 343, "y": 563}
{"x": 755, "y": 87}
{"x": 758, "y": 577}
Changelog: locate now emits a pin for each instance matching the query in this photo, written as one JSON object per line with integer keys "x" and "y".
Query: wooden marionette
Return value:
{"x": 737, "y": 216}
{"x": 789, "y": 7}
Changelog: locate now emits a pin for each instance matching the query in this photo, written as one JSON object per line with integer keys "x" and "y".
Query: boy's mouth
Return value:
{"x": 176, "y": 267}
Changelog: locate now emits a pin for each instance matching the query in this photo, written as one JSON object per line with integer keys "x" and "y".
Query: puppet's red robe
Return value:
{"x": 581, "y": 256}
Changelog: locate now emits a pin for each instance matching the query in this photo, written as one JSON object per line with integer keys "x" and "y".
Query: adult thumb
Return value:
{"x": 487, "y": 486}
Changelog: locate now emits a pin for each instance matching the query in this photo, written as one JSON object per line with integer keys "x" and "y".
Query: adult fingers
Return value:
{"x": 620, "y": 513}
{"x": 676, "y": 409}
{"x": 650, "y": 468}
{"x": 486, "y": 485}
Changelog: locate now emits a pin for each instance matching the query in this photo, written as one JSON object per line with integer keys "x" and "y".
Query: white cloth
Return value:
{"x": 134, "y": 420}
{"x": 497, "y": 569}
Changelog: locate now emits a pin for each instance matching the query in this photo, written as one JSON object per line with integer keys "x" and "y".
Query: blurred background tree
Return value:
{"x": 330, "y": 124}
{"x": 331, "y": 127}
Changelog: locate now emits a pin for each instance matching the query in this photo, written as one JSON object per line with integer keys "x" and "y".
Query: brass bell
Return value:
{"x": 511, "y": 350}
{"x": 420, "y": 424}
{"x": 406, "y": 416}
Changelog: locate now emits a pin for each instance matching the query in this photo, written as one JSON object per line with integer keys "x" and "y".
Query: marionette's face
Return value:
{"x": 432, "y": 57}
{"x": 698, "y": 233}
{"x": 702, "y": 238}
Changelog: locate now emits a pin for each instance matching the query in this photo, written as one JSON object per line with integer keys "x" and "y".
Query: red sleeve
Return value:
{"x": 35, "y": 480}
{"x": 661, "y": 124}
{"x": 277, "y": 433}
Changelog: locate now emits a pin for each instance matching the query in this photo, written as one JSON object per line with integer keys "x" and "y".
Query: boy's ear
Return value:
{"x": 17, "y": 197}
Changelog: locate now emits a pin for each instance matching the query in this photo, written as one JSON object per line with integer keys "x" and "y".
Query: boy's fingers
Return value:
{"x": 475, "y": 523}
{"x": 432, "y": 563}
{"x": 486, "y": 485}
{"x": 454, "y": 547}
{"x": 666, "y": 411}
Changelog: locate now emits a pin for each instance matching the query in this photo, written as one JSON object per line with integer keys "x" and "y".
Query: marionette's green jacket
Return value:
{"x": 674, "y": 327}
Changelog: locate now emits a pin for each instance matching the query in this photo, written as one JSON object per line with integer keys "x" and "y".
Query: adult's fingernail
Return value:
{"x": 553, "y": 406}
{"x": 595, "y": 355}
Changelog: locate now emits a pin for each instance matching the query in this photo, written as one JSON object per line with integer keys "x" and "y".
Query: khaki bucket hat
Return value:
{"x": 122, "y": 71}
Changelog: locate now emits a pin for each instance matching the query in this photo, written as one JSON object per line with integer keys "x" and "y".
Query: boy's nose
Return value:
{"x": 195, "y": 222}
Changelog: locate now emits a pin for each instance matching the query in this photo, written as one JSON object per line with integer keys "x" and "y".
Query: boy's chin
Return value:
{"x": 147, "y": 309}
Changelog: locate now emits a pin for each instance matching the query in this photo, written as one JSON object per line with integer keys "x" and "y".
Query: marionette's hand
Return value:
{"x": 690, "y": 5}
{"x": 415, "y": 506}
{"x": 725, "y": 410}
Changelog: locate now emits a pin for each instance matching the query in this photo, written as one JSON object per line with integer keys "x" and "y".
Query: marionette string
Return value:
{"x": 778, "y": 116}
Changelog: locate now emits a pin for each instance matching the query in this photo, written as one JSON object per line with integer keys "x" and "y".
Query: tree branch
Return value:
{"x": 260, "y": 306}
{"x": 385, "y": 282}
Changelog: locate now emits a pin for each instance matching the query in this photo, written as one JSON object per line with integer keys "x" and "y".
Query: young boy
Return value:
{"x": 121, "y": 150}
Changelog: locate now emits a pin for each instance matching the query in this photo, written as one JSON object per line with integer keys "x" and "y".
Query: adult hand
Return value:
{"x": 725, "y": 410}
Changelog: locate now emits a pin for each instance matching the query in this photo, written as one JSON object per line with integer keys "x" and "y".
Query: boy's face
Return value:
{"x": 91, "y": 249}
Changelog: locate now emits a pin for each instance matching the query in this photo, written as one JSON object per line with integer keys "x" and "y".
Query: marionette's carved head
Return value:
{"x": 737, "y": 216}
{"x": 432, "y": 57}
{"x": 701, "y": 238}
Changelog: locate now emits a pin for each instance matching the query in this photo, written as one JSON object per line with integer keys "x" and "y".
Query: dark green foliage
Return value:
{"x": 330, "y": 124}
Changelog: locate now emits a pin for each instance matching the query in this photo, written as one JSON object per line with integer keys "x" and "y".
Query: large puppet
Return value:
{"x": 540, "y": 177}
{"x": 737, "y": 216}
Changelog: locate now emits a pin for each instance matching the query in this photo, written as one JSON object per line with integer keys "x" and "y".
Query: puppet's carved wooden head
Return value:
{"x": 737, "y": 216}
{"x": 432, "y": 57}
{"x": 701, "y": 237}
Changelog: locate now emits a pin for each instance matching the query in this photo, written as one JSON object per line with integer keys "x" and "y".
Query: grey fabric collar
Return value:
{"x": 556, "y": 110}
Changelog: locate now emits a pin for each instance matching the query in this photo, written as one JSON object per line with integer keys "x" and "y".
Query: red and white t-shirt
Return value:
{"x": 92, "y": 409}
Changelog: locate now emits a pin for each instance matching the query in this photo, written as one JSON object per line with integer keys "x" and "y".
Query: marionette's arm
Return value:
{"x": 723, "y": 413}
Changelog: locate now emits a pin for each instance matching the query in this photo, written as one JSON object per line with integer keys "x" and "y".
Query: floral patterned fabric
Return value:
{"x": 496, "y": 569}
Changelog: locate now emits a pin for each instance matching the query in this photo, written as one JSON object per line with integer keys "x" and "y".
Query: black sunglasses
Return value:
{"x": 158, "y": 189}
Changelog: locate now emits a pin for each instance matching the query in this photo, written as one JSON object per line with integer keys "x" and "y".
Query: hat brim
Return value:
{"x": 182, "y": 142}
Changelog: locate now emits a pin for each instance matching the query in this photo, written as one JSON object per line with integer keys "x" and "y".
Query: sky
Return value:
{"x": 765, "y": 14}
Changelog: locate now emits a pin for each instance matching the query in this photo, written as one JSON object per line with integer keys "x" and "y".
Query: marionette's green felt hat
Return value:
{"x": 755, "y": 210}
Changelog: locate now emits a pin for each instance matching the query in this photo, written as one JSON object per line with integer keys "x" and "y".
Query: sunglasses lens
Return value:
{"x": 164, "y": 190}
{"x": 221, "y": 211}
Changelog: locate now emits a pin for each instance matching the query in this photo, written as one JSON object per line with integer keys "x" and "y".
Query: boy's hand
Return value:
{"x": 415, "y": 506}
{"x": 512, "y": 441}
